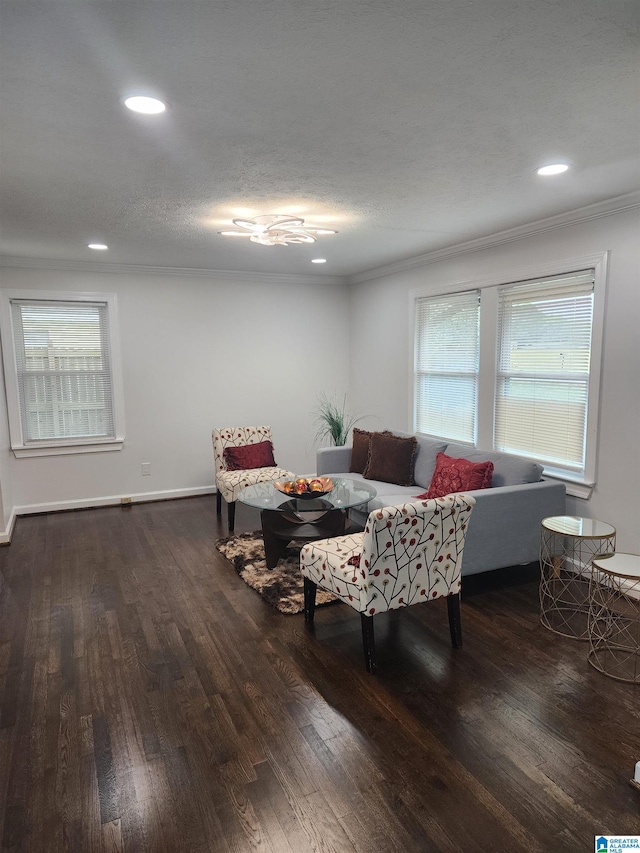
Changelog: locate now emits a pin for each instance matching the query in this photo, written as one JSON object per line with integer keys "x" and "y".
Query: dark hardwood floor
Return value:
{"x": 150, "y": 701}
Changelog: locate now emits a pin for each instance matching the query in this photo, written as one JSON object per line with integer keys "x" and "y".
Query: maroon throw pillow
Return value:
{"x": 391, "y": 458}
{"x": 258, "y": 455}
{"x": 457, "y": 475}
{"x": 359, "y": 450}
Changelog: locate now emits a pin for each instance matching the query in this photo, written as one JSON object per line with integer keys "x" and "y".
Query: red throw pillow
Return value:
{"x": 258, "y": 455}
{"x": 457, "y": 475}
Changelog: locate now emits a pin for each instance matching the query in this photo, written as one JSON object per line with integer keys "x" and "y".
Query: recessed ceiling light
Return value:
{"x": 319, "y": 261}
{"x": 144, "y": 104}
{"x": 553, "y": 169}
{"x": 99, "y": 247}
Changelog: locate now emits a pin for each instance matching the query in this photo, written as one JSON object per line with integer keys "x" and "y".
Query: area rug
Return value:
{"x": 282, "y": 587}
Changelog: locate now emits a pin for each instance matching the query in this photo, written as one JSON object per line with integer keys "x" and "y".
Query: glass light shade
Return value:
{"x": 144, "y": 104}
{"x": 553, "y": 169}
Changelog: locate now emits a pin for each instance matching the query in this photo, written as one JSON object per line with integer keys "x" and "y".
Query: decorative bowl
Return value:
{"x": 327, "y": 486}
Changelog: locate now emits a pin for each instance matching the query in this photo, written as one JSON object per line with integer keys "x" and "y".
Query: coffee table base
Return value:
{"x": 279, "y": 528}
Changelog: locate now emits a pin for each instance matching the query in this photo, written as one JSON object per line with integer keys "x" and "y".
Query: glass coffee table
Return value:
{"x": 287, "y": 517}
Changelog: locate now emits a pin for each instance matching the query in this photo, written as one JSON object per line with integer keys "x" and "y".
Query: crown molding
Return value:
{"x": 176, "y": 272}
{"x": 611, "y": 206}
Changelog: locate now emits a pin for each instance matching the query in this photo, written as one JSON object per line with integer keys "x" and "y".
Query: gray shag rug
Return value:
{"x": 282, "y": 587}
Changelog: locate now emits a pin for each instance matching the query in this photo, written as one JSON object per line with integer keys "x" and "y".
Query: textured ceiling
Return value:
{"x": 407, "y": 126}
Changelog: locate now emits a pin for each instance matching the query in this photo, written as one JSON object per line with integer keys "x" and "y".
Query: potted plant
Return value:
{"x": 333, "y": 421}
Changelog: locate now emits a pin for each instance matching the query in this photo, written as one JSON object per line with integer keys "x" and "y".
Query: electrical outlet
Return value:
{"x": 125, "y": 501}
{"x": 146, "y": 469}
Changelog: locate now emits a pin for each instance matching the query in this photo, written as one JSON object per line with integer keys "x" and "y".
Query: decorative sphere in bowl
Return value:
{"x": 306, "y": 488}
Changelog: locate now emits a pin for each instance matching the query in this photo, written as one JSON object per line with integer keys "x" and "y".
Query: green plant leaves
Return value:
{"x": 333, "y": 421}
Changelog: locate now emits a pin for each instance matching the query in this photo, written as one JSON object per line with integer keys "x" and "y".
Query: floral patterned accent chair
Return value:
{"x": 407, "y": 554}
{"x": 243, "y": 456}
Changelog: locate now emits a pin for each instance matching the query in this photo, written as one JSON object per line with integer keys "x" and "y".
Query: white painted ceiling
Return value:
{"x": 407, "y": 126}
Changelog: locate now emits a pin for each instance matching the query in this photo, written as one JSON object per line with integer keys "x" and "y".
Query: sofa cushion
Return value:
{"x": 508, "y": 470}
{"x": 359, "y": 450}
{"x": 391, "y": 458}
{"x": 247, "y": 456}
{"x": 389, "y": 494}
{"x": 425, "y": 463}
{"x": 458, "y": 475}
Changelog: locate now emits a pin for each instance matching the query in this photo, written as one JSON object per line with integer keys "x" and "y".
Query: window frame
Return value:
{"x": 59, "y": 446}
{"x": 578, "y": 486}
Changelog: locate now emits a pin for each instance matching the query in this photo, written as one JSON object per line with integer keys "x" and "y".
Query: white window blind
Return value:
{"x": 545, "y": 330}
{"x": 446, "y": 377}
{"x": 63, "y": 368}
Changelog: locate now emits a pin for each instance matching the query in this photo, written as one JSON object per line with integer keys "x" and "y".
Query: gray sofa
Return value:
{"x": 505, "y": 522}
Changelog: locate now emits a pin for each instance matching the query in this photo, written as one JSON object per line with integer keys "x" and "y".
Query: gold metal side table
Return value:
{"x": 568, "y": 545}
{"x": 614, "y": 617}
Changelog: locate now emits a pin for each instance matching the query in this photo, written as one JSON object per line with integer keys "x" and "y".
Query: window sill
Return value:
{"x": 62, "y": 449}
{"x": 574, "y": 488}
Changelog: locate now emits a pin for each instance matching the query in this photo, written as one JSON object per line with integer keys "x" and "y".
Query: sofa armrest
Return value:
{"x": 331, "y": 460}
{"x": 504, "y": 529}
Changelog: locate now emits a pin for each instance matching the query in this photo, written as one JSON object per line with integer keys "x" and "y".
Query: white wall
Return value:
{"x": 200, "y": 352}
{"x": 381, "y": 345}
{"x": 7, "y": 516}
{"x": 197, "y": 353}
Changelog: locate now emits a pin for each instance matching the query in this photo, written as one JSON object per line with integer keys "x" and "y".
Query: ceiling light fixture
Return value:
{"x": 553, "y": 169}
{"x": 276, "y": 230}
{"x": 318, "y": 260}
{"x": 144, "y": 104}
{"x": 99, "y": 247}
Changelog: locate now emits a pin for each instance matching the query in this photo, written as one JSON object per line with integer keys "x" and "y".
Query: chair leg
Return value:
{"x": 368, "y": 642}
{"x": 455, "y": 625}
{"x": 232, "y": 516}
{"x": 309, "y": 599}
{"x": 219, "y": 502}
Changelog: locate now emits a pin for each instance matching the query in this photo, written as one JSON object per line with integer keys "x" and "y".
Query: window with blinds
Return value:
{"x": 514, "y": 365}
{"x": 62, "y": 372}
{"x": 446, "y": 365}
{"x": 63, "y": 369}
{"x": 542, "y": 383}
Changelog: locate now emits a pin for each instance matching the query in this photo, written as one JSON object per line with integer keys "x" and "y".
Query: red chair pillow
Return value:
{"x": 258, "y": 455}
{"x": 457, "y": 475}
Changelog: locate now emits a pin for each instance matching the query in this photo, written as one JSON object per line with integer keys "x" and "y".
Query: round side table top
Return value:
{"x": 621, "y": 565}
{"x": 584, "y": 528}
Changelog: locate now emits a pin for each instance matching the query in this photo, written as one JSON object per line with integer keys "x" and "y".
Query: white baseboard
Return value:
{"x": 5, "y": 535}
{"x": 107, "y": 500}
